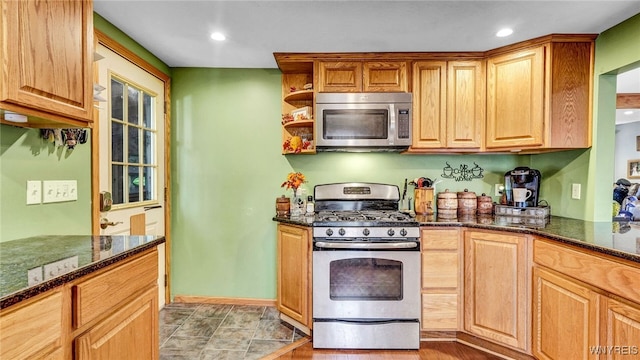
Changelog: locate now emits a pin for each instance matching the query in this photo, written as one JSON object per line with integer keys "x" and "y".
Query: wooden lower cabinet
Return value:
{"x": 34, "y": 330}
{"x": 294, "y": 273}
{"x": 621, "y": 322}
{"x": 496, "y": 287}
{"x": 126, "y": 334}
{"x": 565, "y": 317}
{"x": 109, "y": 314}
{"x": 441, "y": 279}
{"x": 585, "y": 304}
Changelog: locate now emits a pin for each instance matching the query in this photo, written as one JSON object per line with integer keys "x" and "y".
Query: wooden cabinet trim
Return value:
{"x": 608, "y": 274}
{"x": 98, "y": 294}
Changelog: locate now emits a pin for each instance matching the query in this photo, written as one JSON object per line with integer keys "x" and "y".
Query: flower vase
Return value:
{"x": 297, "y": 204}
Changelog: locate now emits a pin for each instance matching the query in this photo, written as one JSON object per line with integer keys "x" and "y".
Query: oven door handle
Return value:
{"x": 366, "y": 245}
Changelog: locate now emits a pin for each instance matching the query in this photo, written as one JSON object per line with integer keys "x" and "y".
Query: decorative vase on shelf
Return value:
{"x": 297, "y": 204}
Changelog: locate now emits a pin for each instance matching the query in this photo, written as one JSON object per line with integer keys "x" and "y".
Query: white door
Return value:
{"x": 131, "y": 155}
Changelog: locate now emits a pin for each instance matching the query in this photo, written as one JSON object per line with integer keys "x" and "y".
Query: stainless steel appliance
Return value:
{"x": 366, "y": 269}
{"x": 363, "y": 121}
{"x": 526, "y": 178}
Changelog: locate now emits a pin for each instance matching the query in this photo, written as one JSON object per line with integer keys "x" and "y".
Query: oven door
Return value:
{"x": 376, "y": 285}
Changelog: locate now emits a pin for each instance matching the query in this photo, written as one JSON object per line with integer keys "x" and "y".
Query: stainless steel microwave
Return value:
{"x": 363, "y": 121}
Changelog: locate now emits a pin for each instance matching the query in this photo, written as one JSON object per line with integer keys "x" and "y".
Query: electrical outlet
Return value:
{"x": 34, "y": 192}
{"x": 498, "y": 189}
{"x": 34, "y": 276}
{"x": 575, "y": 191}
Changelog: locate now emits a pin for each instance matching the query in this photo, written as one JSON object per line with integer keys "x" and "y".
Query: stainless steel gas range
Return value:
{"x": 366, "y": 269}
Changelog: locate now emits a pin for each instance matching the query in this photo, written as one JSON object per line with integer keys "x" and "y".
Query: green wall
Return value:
{"x": 24, "y": 155}
{"x": 227, "y": 169}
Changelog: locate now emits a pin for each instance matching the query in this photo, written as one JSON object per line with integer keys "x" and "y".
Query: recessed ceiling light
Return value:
{"x": 628, "y": 112}
{"x": 504, "y": 32}
{"x": 218, "y": 36}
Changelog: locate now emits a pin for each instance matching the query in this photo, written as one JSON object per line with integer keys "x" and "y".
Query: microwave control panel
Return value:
{"x": 404, "y": 124}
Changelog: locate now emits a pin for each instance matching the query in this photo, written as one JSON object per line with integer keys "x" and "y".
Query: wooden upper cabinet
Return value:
{"x": 515, "y": 99}
{"x": 362, "y": 76}
{"x": 448, "y": 105}
{"x": 381, "y": 76}
{"x": 47, "y": 55}
{"x": 540, "y": 98}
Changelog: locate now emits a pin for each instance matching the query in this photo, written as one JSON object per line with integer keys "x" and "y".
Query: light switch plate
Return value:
{"x": 34, "y": 192}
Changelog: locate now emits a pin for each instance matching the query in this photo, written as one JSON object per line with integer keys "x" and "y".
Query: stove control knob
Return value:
{"x": 329, "y": 232}
{"x": 403, "y": 232}
{"x": 342, "y": 232}
{"x": 366, "y": 232}
{"x": 390, "y": 232}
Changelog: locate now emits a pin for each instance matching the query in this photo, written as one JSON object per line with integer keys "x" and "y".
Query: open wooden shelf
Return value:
{"x": 299, "y": 95}
{"x": 299, "y": 123}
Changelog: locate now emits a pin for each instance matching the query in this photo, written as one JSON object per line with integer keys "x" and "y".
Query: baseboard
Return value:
{"x": 490, "y": 347}
{"x": 433, "y": 335}
{"x": 295, "y": 323}
{"x": 296, "y": 344}
{"x": 223, "y": 300}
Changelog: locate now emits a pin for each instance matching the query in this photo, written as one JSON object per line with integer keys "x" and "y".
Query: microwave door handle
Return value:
{"x": 392, "y": 122}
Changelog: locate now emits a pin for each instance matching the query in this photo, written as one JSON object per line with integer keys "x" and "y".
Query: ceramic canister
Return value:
{"x": 485, "y": 204}
{"x": 283, "y": 204}
{"x": 447, "y": 204}
{"x": 467, "y": 202}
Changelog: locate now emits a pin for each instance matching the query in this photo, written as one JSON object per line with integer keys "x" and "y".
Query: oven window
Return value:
{"x": 365, "y": 279}
{"x": 355, "y": 124}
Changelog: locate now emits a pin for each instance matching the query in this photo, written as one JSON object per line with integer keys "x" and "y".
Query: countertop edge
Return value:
{"x": 21, "y": 295}
{"x": 513, "y": 229}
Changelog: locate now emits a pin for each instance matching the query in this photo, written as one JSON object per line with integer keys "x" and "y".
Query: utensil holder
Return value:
{"x": 423, "y": 201}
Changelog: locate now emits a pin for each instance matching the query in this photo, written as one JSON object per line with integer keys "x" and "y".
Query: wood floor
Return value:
{"x": 435, "y": 350}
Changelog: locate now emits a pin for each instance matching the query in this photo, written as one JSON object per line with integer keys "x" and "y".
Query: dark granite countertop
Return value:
{"x": 27, "y": 265}
{"x": 621, "y": 240}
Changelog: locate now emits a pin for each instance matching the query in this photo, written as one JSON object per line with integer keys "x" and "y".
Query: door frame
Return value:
{"x": 103, "y": 39}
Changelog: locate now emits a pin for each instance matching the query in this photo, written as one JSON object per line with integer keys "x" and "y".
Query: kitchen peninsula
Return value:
{"x": 83, "y": 290}
{"x": 569, "y": 279}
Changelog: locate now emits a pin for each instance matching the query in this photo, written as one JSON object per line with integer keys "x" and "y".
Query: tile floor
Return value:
{"x": 229, "y": 332}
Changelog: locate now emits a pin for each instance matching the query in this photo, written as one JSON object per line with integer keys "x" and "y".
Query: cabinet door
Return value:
{"x": 294, "y": 273}
{"x": 496, "y": 287}
{"x": 622, "y": 322}
{"x": 130, "y": 333}
{"x": 429, "y": 105}
{"x": 33, "y": 329}
{"x": 565, "y": 317}
{"x": 515, "y": 99}
{"x": 48, "y": 58}
{"x": 340, "y": 76}
{"x": 380, "y": 76}
{"x": 465, "y": 104}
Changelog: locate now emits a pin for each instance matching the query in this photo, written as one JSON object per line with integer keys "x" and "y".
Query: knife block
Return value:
{"x": 423, "y": 201}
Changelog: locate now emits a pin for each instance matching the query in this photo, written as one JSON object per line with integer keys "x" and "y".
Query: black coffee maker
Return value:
{"x": 522, "y": 177}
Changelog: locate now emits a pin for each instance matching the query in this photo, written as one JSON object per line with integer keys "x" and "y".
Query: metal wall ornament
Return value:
{"x": 68, "y": 137}
{"x": 463, "y": 173}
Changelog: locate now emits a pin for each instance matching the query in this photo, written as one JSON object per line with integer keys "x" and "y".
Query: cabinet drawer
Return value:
{"x": 596, "y": 270}
{"x": 440, "y": 239}
{"x": 439, "y": 311}
{"x": 439, "y": 269}
{"x": 93, "y": 297}
{"x": 32, "y": 329}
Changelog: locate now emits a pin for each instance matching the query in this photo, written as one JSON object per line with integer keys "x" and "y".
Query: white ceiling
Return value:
{"x": 177, "y": 31}
{"x": 628, "y": 82}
